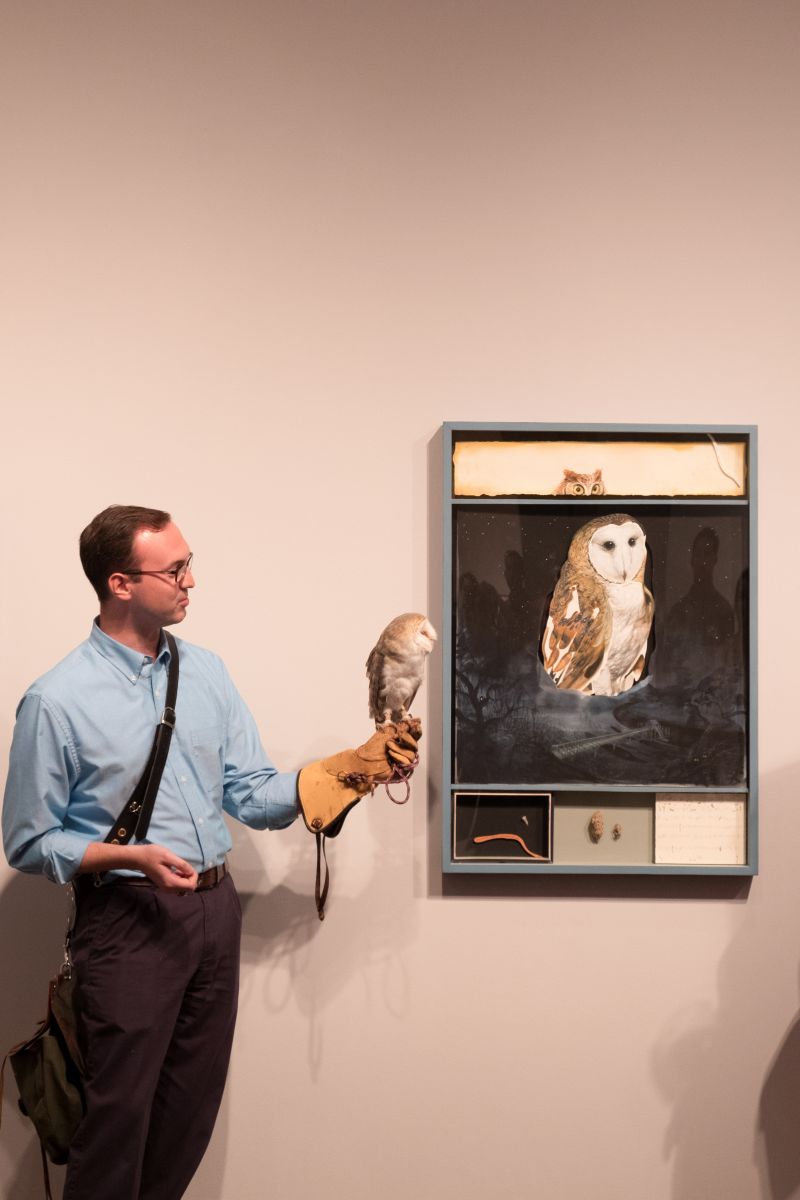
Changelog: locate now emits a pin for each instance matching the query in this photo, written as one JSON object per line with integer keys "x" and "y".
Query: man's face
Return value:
{"x": 159, "y": 598}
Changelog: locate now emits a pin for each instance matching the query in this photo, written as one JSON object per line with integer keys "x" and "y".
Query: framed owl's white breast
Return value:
{"x": 599, "y": 649}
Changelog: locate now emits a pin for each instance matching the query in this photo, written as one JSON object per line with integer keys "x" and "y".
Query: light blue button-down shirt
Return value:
{"x": 82, "y": 738}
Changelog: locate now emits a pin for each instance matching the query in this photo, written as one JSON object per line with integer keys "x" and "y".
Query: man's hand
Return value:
{"x": 163, "y": 868}
{"x": 166, "y": 870}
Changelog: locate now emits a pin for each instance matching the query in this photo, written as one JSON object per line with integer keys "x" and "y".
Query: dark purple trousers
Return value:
{"x": 158, "y": 980}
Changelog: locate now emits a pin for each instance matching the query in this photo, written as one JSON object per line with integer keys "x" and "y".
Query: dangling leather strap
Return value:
{"x": 321, "y": 892}
{"x": 134, "y": 820}
{"x": 48, "y": 1195}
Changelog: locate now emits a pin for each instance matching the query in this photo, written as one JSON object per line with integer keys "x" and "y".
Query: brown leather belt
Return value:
{"x": 211, "y": 877}
{"x": 205, "y": 880}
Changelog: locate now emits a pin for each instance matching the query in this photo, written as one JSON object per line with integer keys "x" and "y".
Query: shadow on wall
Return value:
{"x": 33, "y": 916}
{"x": 779, "y": 1118}
{"x": 308, "y": 962}
{"x": 292, "y": 960}
{"x": 734, "y": 1097}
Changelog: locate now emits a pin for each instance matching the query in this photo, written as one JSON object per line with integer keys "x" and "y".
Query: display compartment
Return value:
{"x": 703, "y": 829}
{"x": 599, "y": 643}
{"x": 502, "y": 826}
{"x": 607, "y": 828}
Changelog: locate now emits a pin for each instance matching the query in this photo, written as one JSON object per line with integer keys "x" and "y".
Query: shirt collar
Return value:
{"x": 130, "y": 662}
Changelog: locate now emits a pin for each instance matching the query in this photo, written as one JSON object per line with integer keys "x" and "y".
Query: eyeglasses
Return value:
{"x": 177, "y": 574}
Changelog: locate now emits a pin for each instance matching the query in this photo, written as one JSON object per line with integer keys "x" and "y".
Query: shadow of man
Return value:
{"x": 778, "y": 1118}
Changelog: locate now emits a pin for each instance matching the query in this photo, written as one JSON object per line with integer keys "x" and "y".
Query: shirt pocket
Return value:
{"x": 208, "y": 757}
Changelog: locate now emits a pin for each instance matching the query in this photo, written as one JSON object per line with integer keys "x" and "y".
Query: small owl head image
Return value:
{"x": 396, "y": 666}
{"x": 581, "y": 483}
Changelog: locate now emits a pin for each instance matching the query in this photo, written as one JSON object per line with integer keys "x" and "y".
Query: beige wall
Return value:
{"x": 253, "y": 253}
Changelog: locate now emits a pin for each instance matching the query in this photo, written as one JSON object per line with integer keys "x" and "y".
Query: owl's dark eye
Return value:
{"x": 578, "y": 489}
{"x": 609, "y": 545}
{"x": 631, "y": 541}
{"x": 595, "y": 489}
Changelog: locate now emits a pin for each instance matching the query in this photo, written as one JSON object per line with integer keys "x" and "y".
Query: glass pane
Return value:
{"x": 676, "y": 718}
{"x": 501, "y": 827}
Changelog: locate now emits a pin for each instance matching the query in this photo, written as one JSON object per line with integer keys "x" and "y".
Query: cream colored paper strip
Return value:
{"x": 536, "y": 468}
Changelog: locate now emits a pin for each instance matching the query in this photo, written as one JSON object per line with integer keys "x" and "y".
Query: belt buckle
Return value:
{"x": 212, "y": 876}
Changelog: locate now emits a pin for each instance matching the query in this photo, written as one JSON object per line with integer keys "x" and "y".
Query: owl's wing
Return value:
{"x": 375, "y": 677}
{"x": 645, "y": 624}
{"x": 577, "y": 631}
{"x": 413, "y": 682}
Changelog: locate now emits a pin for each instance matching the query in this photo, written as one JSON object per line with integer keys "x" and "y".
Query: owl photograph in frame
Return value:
{"x": 601, "y": 612}
{"x": 608, "y": 650}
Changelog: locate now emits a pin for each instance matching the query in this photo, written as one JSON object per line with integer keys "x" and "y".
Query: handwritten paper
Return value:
{"x": 700, "y": 832}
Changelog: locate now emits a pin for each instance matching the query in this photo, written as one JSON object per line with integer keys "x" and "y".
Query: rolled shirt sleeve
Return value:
{"x": 254, "y": 791}
{"x": 43, "y": 769}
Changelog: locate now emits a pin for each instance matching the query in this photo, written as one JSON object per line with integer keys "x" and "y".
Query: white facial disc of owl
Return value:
{"x": 617, "y": 552}
{"x": 396, "y": 666}
{"x": 601, "y": 612}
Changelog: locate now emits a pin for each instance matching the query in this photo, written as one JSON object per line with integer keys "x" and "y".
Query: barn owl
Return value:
{"x": 601, "y": 612}
{"x": 396, "y": 665}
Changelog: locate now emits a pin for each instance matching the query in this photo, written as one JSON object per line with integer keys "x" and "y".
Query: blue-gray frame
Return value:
{"x": 452, "y": 432}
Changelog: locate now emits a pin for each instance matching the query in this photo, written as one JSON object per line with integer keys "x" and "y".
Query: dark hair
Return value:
{"x": 106, "y": 543}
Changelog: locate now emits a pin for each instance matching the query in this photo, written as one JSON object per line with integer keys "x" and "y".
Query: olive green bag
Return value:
{"x": 48, "y": 1069}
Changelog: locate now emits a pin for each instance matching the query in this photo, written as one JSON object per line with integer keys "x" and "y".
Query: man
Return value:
{"x": 156, "y": 939}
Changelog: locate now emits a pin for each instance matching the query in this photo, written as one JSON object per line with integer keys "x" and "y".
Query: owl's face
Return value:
{"x": 578, "y": 483}
{"x": 426, "y": 636}
{"x": 617, "y": 552}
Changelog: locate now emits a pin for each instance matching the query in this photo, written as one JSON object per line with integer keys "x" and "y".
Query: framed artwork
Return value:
{"x": 599, "y": 642}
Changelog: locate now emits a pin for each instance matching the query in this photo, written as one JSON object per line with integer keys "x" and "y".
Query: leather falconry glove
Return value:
{"x": 328, "y": 789}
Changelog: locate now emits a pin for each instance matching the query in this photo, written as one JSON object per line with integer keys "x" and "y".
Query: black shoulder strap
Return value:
{"x": 134, "y": 820}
